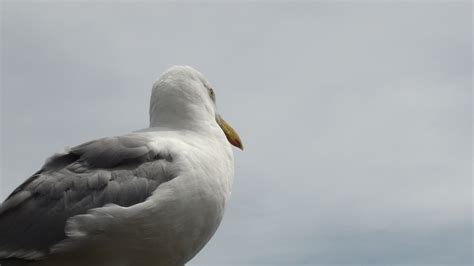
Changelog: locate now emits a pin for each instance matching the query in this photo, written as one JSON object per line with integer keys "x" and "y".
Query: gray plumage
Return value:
{"x": 118, "y": 170}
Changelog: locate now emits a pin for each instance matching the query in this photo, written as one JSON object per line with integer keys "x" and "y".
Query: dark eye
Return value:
{"x": 212, "y": 95}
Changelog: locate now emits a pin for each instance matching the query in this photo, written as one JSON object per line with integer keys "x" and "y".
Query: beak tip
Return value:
{"x": 237, "y": 143}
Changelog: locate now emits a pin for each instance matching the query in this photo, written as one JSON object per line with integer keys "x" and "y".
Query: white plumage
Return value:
{"x": 152, "y": 197}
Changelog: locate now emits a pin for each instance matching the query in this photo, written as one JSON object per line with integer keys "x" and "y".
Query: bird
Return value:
{"x": 152, "y": 197}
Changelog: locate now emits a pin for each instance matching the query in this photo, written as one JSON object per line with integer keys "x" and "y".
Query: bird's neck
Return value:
{"x": 179, "y": 115}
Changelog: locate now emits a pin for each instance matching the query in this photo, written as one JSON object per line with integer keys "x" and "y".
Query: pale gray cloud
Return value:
{"x": 356, "y": 118}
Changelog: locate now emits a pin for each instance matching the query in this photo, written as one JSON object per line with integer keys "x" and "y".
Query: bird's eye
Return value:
{"x": 211, "y": 94}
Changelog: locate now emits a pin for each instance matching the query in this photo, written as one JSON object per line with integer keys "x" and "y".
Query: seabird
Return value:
{"x": 152, "y": 197}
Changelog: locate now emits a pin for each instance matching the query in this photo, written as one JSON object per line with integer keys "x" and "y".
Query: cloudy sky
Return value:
{"x": 356, "y": 117}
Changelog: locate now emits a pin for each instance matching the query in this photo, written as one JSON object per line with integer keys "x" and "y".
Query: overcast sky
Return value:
{"x": 356, "y": 118}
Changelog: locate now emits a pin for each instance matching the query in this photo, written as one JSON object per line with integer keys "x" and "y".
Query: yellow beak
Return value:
{"x": 230, "y": 133}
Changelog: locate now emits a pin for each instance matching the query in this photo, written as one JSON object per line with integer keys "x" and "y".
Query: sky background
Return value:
{"x": 356, "y": 117}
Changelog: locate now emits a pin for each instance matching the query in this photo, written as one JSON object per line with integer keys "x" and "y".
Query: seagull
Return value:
{"x": 153, "y": 197}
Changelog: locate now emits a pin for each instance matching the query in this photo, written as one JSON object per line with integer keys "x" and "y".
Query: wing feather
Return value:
{"x": 122, "y": 170}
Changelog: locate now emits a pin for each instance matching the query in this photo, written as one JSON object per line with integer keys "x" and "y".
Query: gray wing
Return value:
{"x": 121, "y": 170}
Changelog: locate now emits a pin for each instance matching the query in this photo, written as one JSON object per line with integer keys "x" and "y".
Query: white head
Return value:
{"x": 183, "y": 98}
